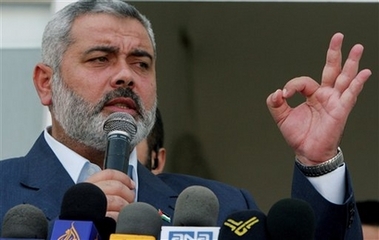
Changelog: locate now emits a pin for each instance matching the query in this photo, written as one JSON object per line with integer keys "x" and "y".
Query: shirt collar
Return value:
{"x": 71, "y": 161}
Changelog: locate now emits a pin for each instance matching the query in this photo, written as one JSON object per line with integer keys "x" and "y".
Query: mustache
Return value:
{"x": 120, "y": 92}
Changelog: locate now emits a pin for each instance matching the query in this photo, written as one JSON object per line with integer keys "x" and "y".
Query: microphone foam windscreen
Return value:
{"x": 139, "y": 218}
{"x": 196, "y": 206}
{"x": 247, "y": 224}
{"x": 24, "y": 221}
{"x": 83, "y": 201}
{"x": 291, "y": 219}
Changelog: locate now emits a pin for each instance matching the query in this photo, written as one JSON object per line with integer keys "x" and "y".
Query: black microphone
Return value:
{"x": 291, "y": 219}
{"x": 24, "y": 221}
{"x": 138, "y": 220}
{"x": 121, "y": 129}
{"x": 244, "y": 225}
{"x": 196, "y": 206}
{"x": 83, "y": 210}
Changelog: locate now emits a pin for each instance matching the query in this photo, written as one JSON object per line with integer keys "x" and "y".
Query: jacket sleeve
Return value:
{"x": 333, "y": 221}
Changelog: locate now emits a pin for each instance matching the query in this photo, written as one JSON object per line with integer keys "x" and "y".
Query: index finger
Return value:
{"x": 111, "y": 174}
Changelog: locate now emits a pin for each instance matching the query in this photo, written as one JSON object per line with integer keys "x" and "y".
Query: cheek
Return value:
{"x": 149, "y": 95}
{"x": 84, "y": 84}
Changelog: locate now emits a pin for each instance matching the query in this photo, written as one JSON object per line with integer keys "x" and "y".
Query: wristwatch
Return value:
{"x": 322, "y": 168}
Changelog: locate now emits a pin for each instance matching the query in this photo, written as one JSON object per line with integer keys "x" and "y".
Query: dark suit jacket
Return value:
{"x": 40, "y": 179}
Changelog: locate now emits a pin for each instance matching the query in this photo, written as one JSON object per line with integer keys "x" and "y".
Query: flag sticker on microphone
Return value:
{"x": 164, "y": 216}
{"x": 241, "y": 227}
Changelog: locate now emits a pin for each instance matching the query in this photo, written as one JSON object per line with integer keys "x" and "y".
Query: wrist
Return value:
{"x": 322, "y": 168}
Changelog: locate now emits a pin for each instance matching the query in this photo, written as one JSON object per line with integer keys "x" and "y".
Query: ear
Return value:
{"x": 42, "y": 78}
{"x": 161, "y": 158}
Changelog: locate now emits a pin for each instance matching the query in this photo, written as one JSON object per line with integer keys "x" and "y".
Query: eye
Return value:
{"x": 100, "y": 59}
{"x": 144, "y": 65}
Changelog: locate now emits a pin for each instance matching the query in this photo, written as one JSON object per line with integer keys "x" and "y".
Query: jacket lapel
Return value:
{"x": 155, "y": 192}
{"x": 45, "y": 177}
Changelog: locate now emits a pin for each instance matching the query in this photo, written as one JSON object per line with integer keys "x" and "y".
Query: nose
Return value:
{"x": 123, "y": 78}
{"x": 123, "y": 83}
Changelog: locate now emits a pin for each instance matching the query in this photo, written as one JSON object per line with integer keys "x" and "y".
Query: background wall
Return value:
{"x": 217, "y": 63}
{"x": 21, "y": 116}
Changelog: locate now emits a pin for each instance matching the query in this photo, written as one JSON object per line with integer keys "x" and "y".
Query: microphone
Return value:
{"x": 291, "y": 219}
{"x": 244, "y": 225}
{"x": 82, "y": 214}
{"x": 195, "y": 215}
{"x": 139, "y": 221}
{"x": 196, "y": 206}
{"x": 121, "y": 129}
{"x": 24, "y": 221}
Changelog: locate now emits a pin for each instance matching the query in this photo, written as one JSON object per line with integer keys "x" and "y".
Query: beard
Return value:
{"x": 83, "y": 121}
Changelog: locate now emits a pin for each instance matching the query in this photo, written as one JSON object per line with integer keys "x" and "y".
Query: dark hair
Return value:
{"x": 369, "y": 212}
{"x": 155, "y": 139}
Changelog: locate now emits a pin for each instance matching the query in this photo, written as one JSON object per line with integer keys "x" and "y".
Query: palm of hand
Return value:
{"x": 313, "y": 121}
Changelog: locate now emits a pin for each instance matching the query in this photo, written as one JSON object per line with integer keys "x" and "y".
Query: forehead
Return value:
{"x": 102, "y": 28}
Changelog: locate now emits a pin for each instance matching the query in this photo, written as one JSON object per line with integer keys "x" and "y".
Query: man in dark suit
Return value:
{"x": 150, "y": 151}
{"x": 99, "y": 57}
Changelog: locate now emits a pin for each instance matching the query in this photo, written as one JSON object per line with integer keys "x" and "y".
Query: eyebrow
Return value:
{"x": 141, "y": 53}
{"x": 111, "y": 49}
{"x": 108, "y": 49}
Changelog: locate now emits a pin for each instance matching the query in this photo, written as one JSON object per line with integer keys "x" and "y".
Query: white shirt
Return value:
{"x": 73, "y": 162}
{"x": 331, "y": 185}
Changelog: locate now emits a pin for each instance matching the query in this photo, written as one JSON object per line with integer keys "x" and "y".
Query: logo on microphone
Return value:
{"x": 70, "y": 233}
{"x": 241, "y": 227}
{"x": 74, "y": 230}
{"x": 190, "y": 235}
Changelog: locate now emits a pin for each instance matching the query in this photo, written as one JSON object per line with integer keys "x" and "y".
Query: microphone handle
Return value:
{"x": 118, "y": 150}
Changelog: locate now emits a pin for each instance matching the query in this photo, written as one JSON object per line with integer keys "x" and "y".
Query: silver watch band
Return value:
{"x": 322, "y": 168}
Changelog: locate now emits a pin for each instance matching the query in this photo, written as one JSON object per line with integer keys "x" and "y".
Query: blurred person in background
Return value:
{"x": 150, "y": 151}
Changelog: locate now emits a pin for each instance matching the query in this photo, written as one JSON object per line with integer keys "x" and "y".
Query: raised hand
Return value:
{"x": 314, "y": 128}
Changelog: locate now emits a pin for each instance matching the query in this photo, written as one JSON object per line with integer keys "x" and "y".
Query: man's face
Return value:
{"x": 143, "y": 154}
{"x": 109, "y": 67}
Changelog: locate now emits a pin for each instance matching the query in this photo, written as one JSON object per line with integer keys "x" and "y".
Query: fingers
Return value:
{"x": 115, "y": 190}
{"x": 118, "y": 188}
{"x": 113, "y": 214}
{"x": 115, "y": 205}
{"x": 355, "y": 87}
{"x": 109, "y": 174}
{"x": 277, "y": 103}
{"x": 332, "y": 66}
{"x": 304, "y": 85}
{"x": 333, "y": 75}
{"x": 350, "y": 68}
